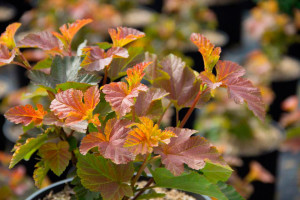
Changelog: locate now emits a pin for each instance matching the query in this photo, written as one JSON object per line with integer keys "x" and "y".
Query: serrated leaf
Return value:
{"x": 56, "y": 156}
{"x": 101, "y": 175}
{"x": 63, "y": 69}
{"x": 208, "y": 51}
{"x": 31, "y": 145}
{"x": 26, "y": 114}
{"x": 149, "y": 103}
{"x": 119, "y": 65}
{"x": 7, "y": 37}
{"x": 180, "y": 82}
{"x": 69, "y": 105}
{"x": 43, "y": 64}
{"x": 68, "y": 31}
{"x": 96, "y": 59}
{"x": 229, "y": 191}
{"x": 121, "y": 95}
{"x": 190, "y": 182}
{"x": 123, "y": 35}
{"x": 44, "y": 40}
{"x": 145, "y": 136}
{"x": 40, "y": 173}
{"x": 183, "y": 149}
{"x": 82, "y": 193}
{"x": 229, "y": 75}
{"x": 110, "y": 143}
{"x": 216, "y": 172}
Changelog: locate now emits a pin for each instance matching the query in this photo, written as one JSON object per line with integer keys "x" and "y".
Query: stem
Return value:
{"x": 24, "y": 60}
{"x": 20, "y": 64}
{"x": 151, "y": 180}
{"x": 139, "y": 173}
{"x": 161, "y": 117}
{"x": 188, "y": 114}
{"x": 105, "y": 76}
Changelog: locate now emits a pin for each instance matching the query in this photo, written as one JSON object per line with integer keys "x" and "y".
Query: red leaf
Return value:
{"x": 69, "y": 105}
{"x": 26, "y": 114}
{"x": 208, "y": 51}
{"x": 97, "y": 59}
{"x": 184, "y": 149}
{"x": 240, "y": 89}
{"x": 121, "y": 95}
{"x": 145, "y": 136}
{"x": 6, "y": 56}
{"x": 111, "y": 142}
{"x": 56, "y": 156}
{"x": 124, "y": 35}
{"x": 68, "y": 31}
{"x": 7, "y": 38}
{"x": 180, "y": 81}
{"x": 44, "y": 40}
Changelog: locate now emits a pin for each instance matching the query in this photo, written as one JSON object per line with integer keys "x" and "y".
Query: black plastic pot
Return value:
{"x": 269, "y": 160}
{"x": 59, "y": 186}
{"x": 282, "y": 90}
{"x": 229, "y": 17}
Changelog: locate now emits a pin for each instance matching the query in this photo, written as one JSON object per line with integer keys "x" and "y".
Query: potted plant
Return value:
{"x": 275, "y": 31}
{"x": 111, "y": 132}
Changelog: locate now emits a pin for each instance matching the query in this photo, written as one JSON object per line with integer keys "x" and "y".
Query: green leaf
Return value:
{"x": 30, "y": 146}
{"x": 72, "y": 143}
{"x": 293, "y": 132}
{"x": 92, "y": 128}
{"x": 151, "y": 195}
{"x": 28, "y": 127}
{"x": 63, "y": 69}
{"x": 56, "y": 156}
{"x": 40, "y": 173}
{"x": 119, "y": 65}
{"x": 103, "y": 108}
{"x": 216, "y": 172}
{"x": 190, "y": 182}
{"x": 82, "y": 193}
{"x": 101, "y": 175}
{"x": 229, "y": 191}
{"x": 104, "y": 45}
{"x": 43, "y": 64}
{"x": 74, "y": 85}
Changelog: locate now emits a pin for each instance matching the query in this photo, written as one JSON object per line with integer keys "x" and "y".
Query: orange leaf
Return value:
{"x": 145, "y": 136}
{"x": 7, "y": 38}
{"x": 136, "y": 74}
{"x": 124, "y": 35}
{"x": 69, "y": 105}
{"x": 56, "y": 156}
{"x": 209, "y": 53}
{"x": 68, "y": 31}
{"x": 26, "y": 114}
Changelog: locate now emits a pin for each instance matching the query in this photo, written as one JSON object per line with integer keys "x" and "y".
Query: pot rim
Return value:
{"x": 35, "y": 194}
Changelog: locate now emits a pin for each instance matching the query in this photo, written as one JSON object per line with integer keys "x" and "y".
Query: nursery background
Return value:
{"x": 263, "y": 36}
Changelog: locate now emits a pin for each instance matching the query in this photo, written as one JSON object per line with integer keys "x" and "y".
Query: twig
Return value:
{"x": 163, "y": 114}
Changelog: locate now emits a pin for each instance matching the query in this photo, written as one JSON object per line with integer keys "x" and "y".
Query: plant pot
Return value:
{"x": 229, "y": 15}
{"x": 269, "y": 160}
{"x": 59, "y": 186}
{"x": 284, "y": 86}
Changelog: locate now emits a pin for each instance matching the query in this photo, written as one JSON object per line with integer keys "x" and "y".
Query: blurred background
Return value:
{"x": 261, "y": 35}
